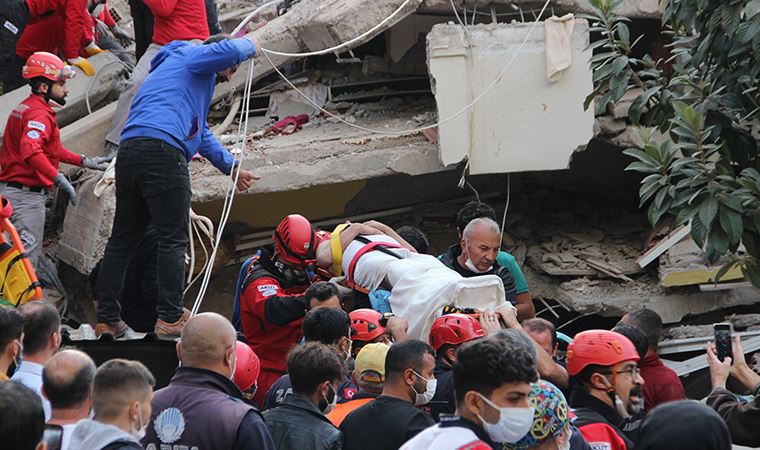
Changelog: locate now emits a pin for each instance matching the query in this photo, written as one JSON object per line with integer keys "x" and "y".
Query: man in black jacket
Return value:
{"x": 201, "y": 407}
{"x": 299, "y": 422}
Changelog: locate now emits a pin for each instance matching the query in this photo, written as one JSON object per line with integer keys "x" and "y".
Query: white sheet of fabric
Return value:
{"x": 421, "y": 285}
{"x": 559, "y": 54}
{"x": 108, "y": 178}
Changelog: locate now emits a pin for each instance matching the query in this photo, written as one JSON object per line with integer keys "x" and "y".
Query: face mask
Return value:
{"x": 566, "y": 435}
{"x": 425, "y": 397}
{"x": 233, "y": 363}
{"x": 139, "y": 433}
{"x": 470, "y": 266}
{"x": 348, "y": 352}
{"x": 330, "y": 404}
{"x": 565, "y": 446}
{"x": 513, "y": 424}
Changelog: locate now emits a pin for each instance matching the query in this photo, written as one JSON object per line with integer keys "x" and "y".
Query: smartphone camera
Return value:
{"x": 723, "y": 347}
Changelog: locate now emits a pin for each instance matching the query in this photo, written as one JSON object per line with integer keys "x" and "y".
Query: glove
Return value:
{"x": 64, "y": 185}
{"x": 83, "y": 64}
{"x": 92, "y": 49}
{"x": 98, "y": 163}
{"x": 120, "y": 34}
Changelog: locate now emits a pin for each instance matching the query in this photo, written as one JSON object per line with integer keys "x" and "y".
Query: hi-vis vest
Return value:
{"x": 18, "y": 281}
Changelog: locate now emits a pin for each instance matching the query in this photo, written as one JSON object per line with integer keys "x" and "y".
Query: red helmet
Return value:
{"x": 247, "y": 367}
{"x": 295, "y": 239}
{"x": 365, "y": 324}
{"x": 600, "y": 347}
{"x": 454, "y": 329}
{"x": 44, "y": 64}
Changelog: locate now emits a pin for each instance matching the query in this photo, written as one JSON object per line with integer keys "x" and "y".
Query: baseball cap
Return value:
{"x": 371, "y": 357}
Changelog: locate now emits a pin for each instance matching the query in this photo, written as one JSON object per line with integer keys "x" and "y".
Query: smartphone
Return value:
{"x": 53, "y": 437}
{"x": 723, "y": 347}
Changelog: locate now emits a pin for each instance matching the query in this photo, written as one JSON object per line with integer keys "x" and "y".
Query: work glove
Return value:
{"x": 83, "y": 64}
{"x": 64, "y": 185}
{"x": 97, "y": 163}
{"x": 121, "y": 34}
{"x": 92, "y": 49}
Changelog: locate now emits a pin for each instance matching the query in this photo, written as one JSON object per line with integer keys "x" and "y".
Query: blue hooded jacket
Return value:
{"x": 173, "y": 102}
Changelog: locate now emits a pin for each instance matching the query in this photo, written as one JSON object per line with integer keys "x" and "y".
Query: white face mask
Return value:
{"x": 425, "y": 397}
{"x": 233, "y": 366}
{"x": 566, "y": 435}
{"x": 330, "y": 404}
{"x": 139, "y": 433}
{"x": 471, "y": 266}
{"x": 513, "y": 424}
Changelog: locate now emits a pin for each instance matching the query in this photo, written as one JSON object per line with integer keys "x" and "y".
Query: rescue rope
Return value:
{"x": 230, "y": 195}
{"x": 413, "y": 130}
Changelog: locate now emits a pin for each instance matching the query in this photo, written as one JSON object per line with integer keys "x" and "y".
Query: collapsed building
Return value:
{"x": 437, "y": 103}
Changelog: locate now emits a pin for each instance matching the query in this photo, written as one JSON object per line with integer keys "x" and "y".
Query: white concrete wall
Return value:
{"x": 525, "y": 122}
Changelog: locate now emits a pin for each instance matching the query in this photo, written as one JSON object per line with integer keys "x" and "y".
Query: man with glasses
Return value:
{"x": 603, "y": 369}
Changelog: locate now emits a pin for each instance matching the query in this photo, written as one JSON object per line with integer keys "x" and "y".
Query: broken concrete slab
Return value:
{"x": 108, "y": 72}
{"x": 628, "y": 8}
{"x": 88, "y": 134}
{"x": 525, "y": 122}
{"x": 685, "y": 264}
{"x": 297, "y": 31}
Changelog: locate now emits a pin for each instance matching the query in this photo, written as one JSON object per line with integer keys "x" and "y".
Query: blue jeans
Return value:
{"x": 152, "y": 188}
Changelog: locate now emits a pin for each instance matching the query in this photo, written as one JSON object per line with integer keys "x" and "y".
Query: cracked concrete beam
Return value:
{"x": 640, "y": 9}
{"x": 108, "y": 71}
{"x": 313, "y": 25}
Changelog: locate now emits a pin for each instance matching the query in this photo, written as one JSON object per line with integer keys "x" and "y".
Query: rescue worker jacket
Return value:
{"x": 598, "y": 422}
{"x": 32, "y": 145}
{"x": 76, "y": 20}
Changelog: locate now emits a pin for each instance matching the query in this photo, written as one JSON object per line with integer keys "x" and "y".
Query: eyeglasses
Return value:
{"x": 634, "y": 371}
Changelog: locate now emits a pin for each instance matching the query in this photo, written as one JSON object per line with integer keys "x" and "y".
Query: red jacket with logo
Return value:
{"x": 32, "y": 145}
{"x": 75, "y": 17}
{"x": 271, "y": 314}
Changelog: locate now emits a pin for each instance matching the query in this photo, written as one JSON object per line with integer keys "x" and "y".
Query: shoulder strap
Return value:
{"x": 337, "y": 249}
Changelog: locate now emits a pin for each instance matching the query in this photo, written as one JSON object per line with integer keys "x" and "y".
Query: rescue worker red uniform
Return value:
{"x": 32, "y": 150}
{"x": 272, "y": 303}
{"x": 599, "y": 419}
{"x": 17, "y": 14}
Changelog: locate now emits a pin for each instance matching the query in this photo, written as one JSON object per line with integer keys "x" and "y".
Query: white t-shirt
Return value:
{"x": 67, "y": 429}
{"x": 446, "y": 438}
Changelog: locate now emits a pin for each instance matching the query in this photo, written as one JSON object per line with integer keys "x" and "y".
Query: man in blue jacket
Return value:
{"x": 165, "y": 128}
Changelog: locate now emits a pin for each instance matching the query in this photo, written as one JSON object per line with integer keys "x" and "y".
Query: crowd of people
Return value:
{"x": 309, "y": 363}
{"x": 352, "y": 338}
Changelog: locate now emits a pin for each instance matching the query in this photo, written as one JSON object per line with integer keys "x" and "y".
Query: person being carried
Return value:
{"x": 372, "y": 255}
{"x": 166, "y": 127}
{"x": 32, "y": 150}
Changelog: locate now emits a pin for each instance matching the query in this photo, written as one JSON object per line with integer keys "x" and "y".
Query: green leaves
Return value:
{"x": 704, "y": 169}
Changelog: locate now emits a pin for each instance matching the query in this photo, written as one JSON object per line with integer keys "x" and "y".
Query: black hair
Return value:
{"x": 41, "y": 320}
{"x": 486, "y": 364}
{"x": 67, "y": 390}
{"x": 37, "y": 81}
{"x": 407, "y": 354}
{"x": 214, "y": 38}
{"x": 540, "y": 325}
{"x": 326, "y": 325}
{"x": 11, "y": 325}
{"x": 635, "y": 335}
{"x": 23, "y": 421}
{"x": 582, "y": 380}
{"x": 649, "y": 322}
{"x": 474, "y": 210}
{"x": 117, "y": 383}
{"x": 313, "y": 364}
{"x": 415, "y": 237}
{"x": 321, "y": 291}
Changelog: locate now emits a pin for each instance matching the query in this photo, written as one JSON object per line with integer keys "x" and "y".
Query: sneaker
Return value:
{"x": 116, "y": 330}
{"x": 174, "y": 329}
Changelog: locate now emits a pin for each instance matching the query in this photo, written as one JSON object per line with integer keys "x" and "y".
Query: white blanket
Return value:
{"x": 421, "y": 285}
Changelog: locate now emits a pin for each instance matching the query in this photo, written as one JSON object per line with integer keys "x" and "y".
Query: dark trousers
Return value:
{"x": 143, "y": 25}
{"x": 14, "y": 15}
{"x": 152, "y": 188}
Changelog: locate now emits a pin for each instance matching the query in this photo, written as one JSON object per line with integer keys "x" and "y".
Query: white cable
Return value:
{"x": 229, "y": 197}
{"x": 339, "y": 47}
{"x": 251, "y": 15}
{"x": 427, "y": 127}
{"x": 456, "y": 13}
{"x": 506, "y": 205}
